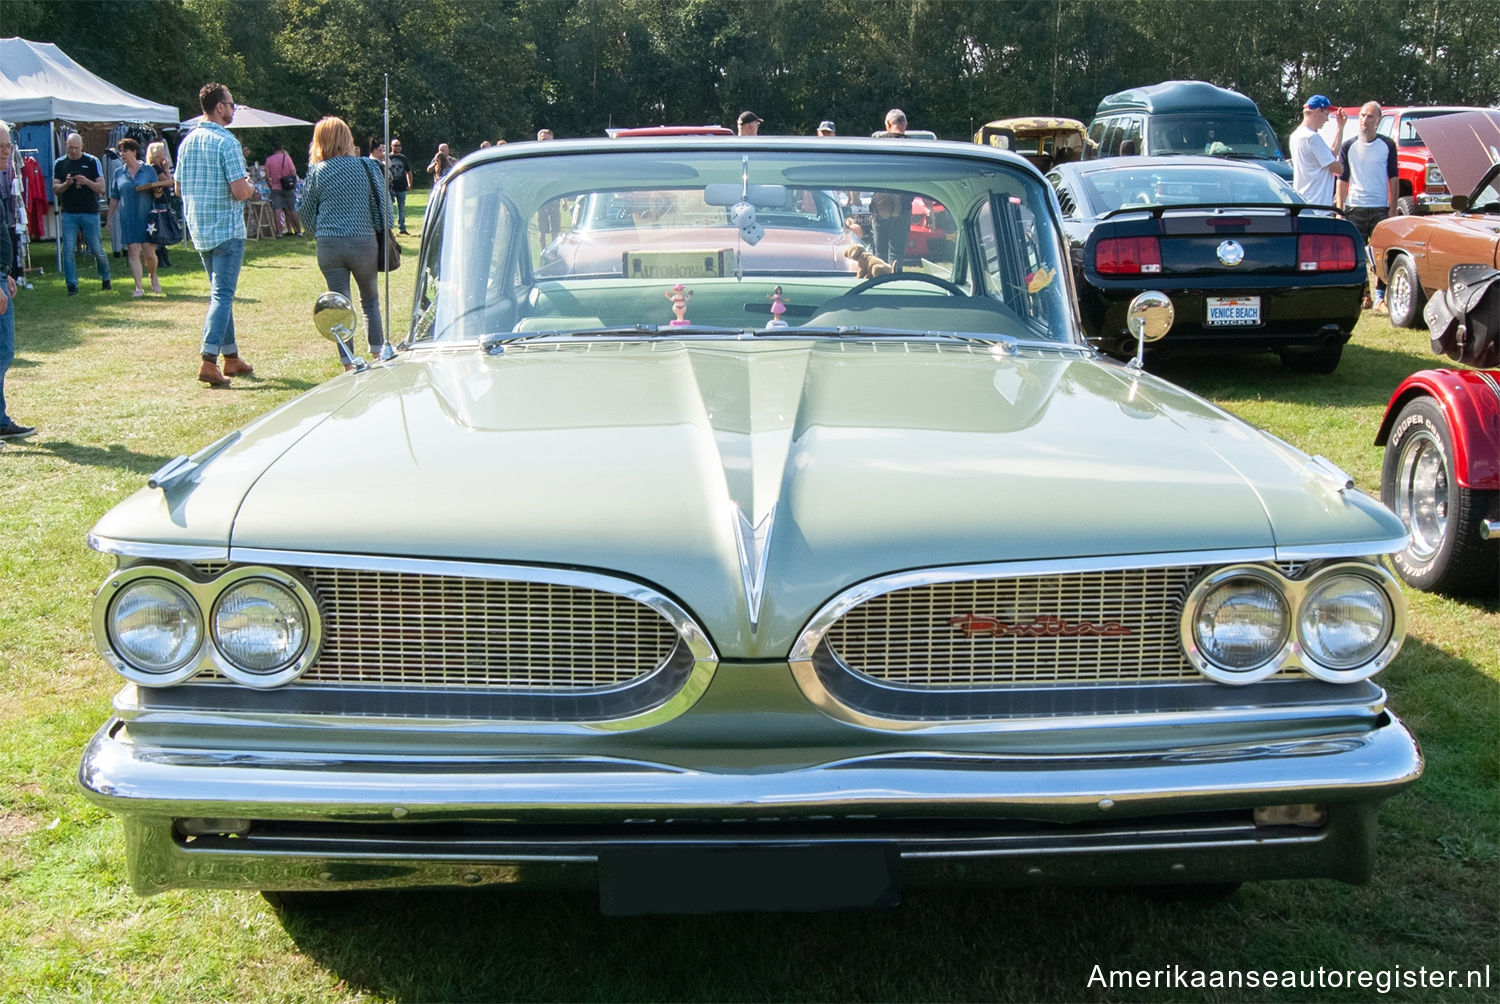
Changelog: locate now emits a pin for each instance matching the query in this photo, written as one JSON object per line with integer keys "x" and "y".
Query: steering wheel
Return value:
{"x": 950, "y": 288}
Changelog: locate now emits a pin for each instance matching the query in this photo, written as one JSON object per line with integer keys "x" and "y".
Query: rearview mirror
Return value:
{"x": 1149, "y": 317}
{"x": 335, "y": 320}
{"x": 759, "y": 196}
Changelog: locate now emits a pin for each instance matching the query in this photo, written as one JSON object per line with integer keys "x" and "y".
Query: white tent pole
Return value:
{"x": 56, "y": 211}
{"x": 386, "y": 173}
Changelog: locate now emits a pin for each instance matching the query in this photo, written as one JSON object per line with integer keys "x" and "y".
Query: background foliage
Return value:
{"x": 462, "y": 71}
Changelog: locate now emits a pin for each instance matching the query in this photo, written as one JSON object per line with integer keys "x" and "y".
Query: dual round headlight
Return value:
{"x": 256, "y": 626}
{"x": 1343, "y": 623}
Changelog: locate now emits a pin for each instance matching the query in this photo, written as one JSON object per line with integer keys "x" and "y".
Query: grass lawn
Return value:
{"x": 110, "y": 384}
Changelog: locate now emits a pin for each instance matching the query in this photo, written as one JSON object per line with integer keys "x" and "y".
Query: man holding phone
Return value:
{"x": 78, "y": 181}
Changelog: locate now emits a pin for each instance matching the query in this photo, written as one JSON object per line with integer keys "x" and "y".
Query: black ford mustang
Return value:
{"x": 1247, "y": 264}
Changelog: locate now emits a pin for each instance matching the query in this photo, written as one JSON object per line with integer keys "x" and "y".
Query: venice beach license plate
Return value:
{"x": 1230, "y": 311}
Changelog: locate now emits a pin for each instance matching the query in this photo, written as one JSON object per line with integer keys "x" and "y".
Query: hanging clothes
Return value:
{"x": 36, "y": 198}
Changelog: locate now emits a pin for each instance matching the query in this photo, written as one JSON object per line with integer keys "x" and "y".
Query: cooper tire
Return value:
{"x": 1403, "y": 294}
{"x": 1445, "y": 552}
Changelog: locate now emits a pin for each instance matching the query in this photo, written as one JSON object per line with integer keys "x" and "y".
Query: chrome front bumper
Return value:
{"x": 324, "y": 822}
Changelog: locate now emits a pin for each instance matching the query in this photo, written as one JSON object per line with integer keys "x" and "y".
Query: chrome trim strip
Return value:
{"x": 162, "y": 552}
{"x": 754, "y": 546}
{"x": 132, "y": 779}
{"x": 1229, "y": 715}
{"x": 1334, "y": 552}
{"x": 182, "y": 467}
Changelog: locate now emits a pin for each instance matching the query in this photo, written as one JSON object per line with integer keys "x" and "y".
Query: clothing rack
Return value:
{"x": 22, "y": 236}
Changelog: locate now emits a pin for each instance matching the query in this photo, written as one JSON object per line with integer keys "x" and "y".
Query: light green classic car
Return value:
{"x": 724, "y": 578}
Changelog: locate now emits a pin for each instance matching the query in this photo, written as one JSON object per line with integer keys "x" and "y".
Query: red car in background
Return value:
{"x": 1420, "y": 175}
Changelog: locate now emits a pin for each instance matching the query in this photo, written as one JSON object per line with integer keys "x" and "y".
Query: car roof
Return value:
{"x": 1035, "y": 122}
{"x": 1407, "y": 109}
{"x": 648, "y": 132}
{"x": 1105, "y": 164}
{"x": 1178, "y": 96}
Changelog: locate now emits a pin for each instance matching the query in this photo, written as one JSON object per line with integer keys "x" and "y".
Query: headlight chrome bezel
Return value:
{"x": 1297, "y": 593}
{"x": 205, "y": 593}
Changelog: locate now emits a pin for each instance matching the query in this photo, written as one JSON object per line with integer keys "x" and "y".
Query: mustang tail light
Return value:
{"x": 1127, "y": 256}
{"x": 1325, "y": 253}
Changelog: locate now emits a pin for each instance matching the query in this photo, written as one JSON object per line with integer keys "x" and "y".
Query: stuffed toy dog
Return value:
{"x": 868, "y": 264}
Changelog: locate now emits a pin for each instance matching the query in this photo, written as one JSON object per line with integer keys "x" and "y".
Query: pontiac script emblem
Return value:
{"x": 1231, "y": 252}
{"x": 1042, "y": 626}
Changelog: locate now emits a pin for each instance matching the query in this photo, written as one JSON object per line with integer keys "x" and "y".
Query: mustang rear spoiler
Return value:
{"x": 1293, "y": 209}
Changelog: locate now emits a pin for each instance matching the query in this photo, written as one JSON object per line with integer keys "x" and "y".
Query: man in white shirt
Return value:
{"x": 1314, "y": 167}
{"x": 1368, "y": 184}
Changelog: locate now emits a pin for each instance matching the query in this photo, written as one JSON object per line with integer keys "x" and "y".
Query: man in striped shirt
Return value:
{"x": 211, "y": 178}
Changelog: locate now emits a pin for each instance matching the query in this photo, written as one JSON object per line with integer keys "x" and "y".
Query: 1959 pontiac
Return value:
{"x": 728, "y": 580}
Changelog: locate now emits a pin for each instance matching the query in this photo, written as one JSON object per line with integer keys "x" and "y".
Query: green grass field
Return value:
{"x": 109, "y": 381}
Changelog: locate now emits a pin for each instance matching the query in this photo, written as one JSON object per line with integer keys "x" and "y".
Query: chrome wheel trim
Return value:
{"x": 1422, "y": 493}
{"x": 1398, "y": 289}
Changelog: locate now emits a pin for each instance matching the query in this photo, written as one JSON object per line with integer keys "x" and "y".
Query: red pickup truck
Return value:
{"x": 1419, "y": 175}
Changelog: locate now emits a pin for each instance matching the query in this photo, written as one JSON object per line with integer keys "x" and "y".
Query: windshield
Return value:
{"x": 674, "y": 238}
{"x": 1215, "y": 135}
{"x": 1487, "y": 199}
{"x": 1183, "y": 185}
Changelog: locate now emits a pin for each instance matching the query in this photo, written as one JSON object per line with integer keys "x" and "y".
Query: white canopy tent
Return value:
{"x": 39, "y": 83}
{"x": 246, "y": 117}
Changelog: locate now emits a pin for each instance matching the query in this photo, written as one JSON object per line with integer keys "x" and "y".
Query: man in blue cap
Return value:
{"x": 1314, "y": 167}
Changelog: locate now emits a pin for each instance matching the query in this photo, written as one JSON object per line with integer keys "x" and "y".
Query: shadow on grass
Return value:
{"x": 114, "y": 456}
{"x": 259, "y": 383}
{"x": 1366, "y": 377}
{"x": 527, "y": 945}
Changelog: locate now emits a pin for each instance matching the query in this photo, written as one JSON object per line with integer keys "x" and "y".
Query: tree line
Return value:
{"x": 465, "y": 71}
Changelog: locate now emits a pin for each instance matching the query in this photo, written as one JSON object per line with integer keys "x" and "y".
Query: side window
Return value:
{"x": 1018, "y": 267}
{"x": 1111, "y": 144}
{"x": 1095, "y": 146}
{"x": 1387, "y": 123}
{"x": 1130, "y": 138}
{"x": 473, "y": 289}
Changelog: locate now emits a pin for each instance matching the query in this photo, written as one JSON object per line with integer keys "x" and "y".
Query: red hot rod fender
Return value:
{"x": 1470, "y": 400}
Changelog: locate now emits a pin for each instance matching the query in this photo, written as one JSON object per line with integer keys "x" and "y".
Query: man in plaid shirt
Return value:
{"x": 211, "y": 178}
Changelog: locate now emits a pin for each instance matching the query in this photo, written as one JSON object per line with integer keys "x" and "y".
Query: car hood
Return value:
{"x": 1464, "y": 145}
{"x": 716, "y": 470}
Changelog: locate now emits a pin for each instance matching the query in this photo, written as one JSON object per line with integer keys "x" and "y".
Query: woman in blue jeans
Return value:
{"x": 343, "y": 201}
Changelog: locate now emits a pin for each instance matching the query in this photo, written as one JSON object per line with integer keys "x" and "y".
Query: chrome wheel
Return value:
{"x": 1446, "y": 550}
{"x": 1402, "y": 294}
{"x": 1422, "y": 493}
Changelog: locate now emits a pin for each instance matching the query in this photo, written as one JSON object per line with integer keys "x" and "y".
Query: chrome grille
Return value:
{"x": 1021, "y": 631}
{"x": 434, "y": 631}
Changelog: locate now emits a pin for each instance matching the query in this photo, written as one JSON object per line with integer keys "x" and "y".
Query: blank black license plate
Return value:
{"x": 646, "y": 880}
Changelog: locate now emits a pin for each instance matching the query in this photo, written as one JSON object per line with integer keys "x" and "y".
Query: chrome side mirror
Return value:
{"x": 335, "y": 319}
{"x": 1149, "y": 317}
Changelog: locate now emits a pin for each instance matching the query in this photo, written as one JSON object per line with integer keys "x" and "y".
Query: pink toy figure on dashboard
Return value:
{"x": 778, "y": 307}
{"x": 679, "y": 297}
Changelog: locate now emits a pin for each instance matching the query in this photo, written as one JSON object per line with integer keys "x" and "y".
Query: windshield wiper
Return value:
{"x": 497, "y": 341}
{"x": 1009, "y": 344}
